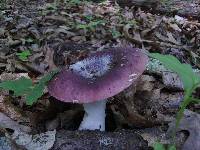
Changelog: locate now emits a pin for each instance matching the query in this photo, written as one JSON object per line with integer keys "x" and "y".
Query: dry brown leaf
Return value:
{"x": 172, "y": 80}
{"x": 191, "y": 123}
{"x": 9, "y": 109}
{"x": 49, "y": 58}
{"x": 42, "y": 141}
{"x": 6, "y": 122}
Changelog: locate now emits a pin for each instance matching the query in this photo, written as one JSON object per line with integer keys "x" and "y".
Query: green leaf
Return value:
{"x": 133, "y": 22}
{"x": 185, "y": 72}
{"x": 172, "y": 147}
{"x": 75, "y": 1}
{"x": 82, "y": 26}
{"x": 48, "y": 77}
{"x": 190, "y": 80}
{"x": 197, "y": 80}
{"x": 115, "y": 33}
{"x": 88, "y": 17}
{"x": 24, "y": 87}
{"x": 95, "y": 23}
{"x": 37, "y": 91}
{"x": 195, "y": 100}
{"x": 24, "y": 55}
{"x": 51, "y": 6}
{"x": 34, "y": 94}
{"x": 158, "y": 146}
{"x": 19, "y": 87}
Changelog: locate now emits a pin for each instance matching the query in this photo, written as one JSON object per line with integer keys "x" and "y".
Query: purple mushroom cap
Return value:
{"x": 99, "y": 76}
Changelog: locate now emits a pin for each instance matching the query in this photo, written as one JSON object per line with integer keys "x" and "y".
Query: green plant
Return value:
{"x": 24, "y": 55}
{"x": 91, "y": 25}
{"x": 76, "y": 2}
{"x": 115, "y": 33}
{"x": 133, "y": 22}
{"x": 3, "y": 4}
{"x": 48, "y": 8}
{"x": 159, "y": 146}
{"x": 190, "y": 81}
{"x": 25, "y": 87}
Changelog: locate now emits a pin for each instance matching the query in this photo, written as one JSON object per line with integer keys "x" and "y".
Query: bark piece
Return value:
{"x": 96, "y": 140}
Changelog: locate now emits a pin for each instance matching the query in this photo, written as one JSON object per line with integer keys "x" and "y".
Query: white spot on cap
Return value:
{"x": 132, "y": 77}
{"x": 75, "y": 101}
{"x": 92, "y": 67}
{"x": 130, "y": 80}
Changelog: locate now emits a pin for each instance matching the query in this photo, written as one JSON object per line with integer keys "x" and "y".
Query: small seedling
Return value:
{"x": 24, "y": 55}
{"x": 190, "y": 81}
{"x": 25, "y": 87}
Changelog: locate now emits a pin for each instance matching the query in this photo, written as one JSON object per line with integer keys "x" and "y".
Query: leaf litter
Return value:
{"x": 42, "y": 26}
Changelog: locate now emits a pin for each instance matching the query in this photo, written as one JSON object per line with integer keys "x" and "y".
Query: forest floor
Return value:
{"x": 31, "y": 33}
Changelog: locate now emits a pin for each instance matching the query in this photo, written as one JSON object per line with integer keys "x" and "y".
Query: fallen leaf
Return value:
{"x": 9, "y": 109}
{"x": 191, "y": 123}
{"x": 42, "y": 141}
{"x": 49, "y": 58}
{"x": 6, "y": 122}
{"x": 172, "y": 80}
{"x": 6, "y": 144}
{"x": 12, "y": 76}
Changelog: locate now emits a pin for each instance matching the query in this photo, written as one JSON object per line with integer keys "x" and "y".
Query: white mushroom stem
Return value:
{"x": 94, "y": 117}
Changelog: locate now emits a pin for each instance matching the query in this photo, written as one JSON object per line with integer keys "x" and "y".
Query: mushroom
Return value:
{"x": 96, "y": 78}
